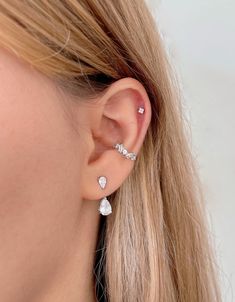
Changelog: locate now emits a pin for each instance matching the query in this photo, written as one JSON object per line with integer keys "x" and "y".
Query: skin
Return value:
{"x": 52, "y": 151}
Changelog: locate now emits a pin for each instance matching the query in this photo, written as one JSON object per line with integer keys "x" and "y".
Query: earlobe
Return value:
{"x": 120, "y": 124}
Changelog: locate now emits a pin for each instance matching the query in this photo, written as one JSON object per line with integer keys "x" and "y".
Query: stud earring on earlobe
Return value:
{"x": 105, "y": 206}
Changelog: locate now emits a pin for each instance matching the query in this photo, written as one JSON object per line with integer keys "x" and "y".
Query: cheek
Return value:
{"x": 25, "y": 147}
{"x": 40, "y": 167}
{"x": 39, "y": 184}
{"x": 36, "y": 147}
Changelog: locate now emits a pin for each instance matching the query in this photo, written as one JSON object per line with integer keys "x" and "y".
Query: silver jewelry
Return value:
{"x": 129, "y": 155}
{"x": 141, "y": 110}
{"x": 105, "y": 206}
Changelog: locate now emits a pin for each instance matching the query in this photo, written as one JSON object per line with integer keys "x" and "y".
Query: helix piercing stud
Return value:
{"x": 141, "y": 110}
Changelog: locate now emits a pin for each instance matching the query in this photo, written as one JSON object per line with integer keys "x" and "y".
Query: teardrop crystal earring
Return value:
{"x": 105, "y": 206}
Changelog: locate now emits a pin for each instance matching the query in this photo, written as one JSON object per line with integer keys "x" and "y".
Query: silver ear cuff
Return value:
{"x": 122, "y": 150}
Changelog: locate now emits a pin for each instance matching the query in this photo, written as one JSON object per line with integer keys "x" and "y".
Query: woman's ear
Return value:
{"x": 116, "y": 117}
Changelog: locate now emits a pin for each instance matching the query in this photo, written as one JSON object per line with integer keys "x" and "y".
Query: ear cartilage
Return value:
{"x": 141, "y": 110}
{"x": 122, "y": 150}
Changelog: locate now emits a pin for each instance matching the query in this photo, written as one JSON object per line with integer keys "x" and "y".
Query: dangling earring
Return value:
{"x": 105, "y": 206}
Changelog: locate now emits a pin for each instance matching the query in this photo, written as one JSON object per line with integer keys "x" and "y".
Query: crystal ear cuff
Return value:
{"x": 121, "y": 149}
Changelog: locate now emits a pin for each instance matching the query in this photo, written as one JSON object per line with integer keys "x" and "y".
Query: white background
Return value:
{"x": 200, "y": 38}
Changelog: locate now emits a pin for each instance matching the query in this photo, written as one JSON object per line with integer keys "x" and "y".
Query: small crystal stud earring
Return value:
{"x": 141, "y": 110}
{"x": 105, "y": 206}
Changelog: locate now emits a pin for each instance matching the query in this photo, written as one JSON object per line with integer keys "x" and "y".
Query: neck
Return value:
{"x": 75, "y": 278}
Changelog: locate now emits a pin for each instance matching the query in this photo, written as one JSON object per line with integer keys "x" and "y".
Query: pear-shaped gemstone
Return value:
{"x": 102, "y": 181}
{"x": 105, "y": 207}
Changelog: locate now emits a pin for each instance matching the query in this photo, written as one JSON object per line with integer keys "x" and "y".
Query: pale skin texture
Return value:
{"x": 49, "y": 194}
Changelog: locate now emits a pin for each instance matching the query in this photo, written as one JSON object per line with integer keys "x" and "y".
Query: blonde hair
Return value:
{"x": 155, "y": 245}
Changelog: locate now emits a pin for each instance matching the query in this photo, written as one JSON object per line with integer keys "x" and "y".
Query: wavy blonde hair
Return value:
{"x": 155, "y": 246}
